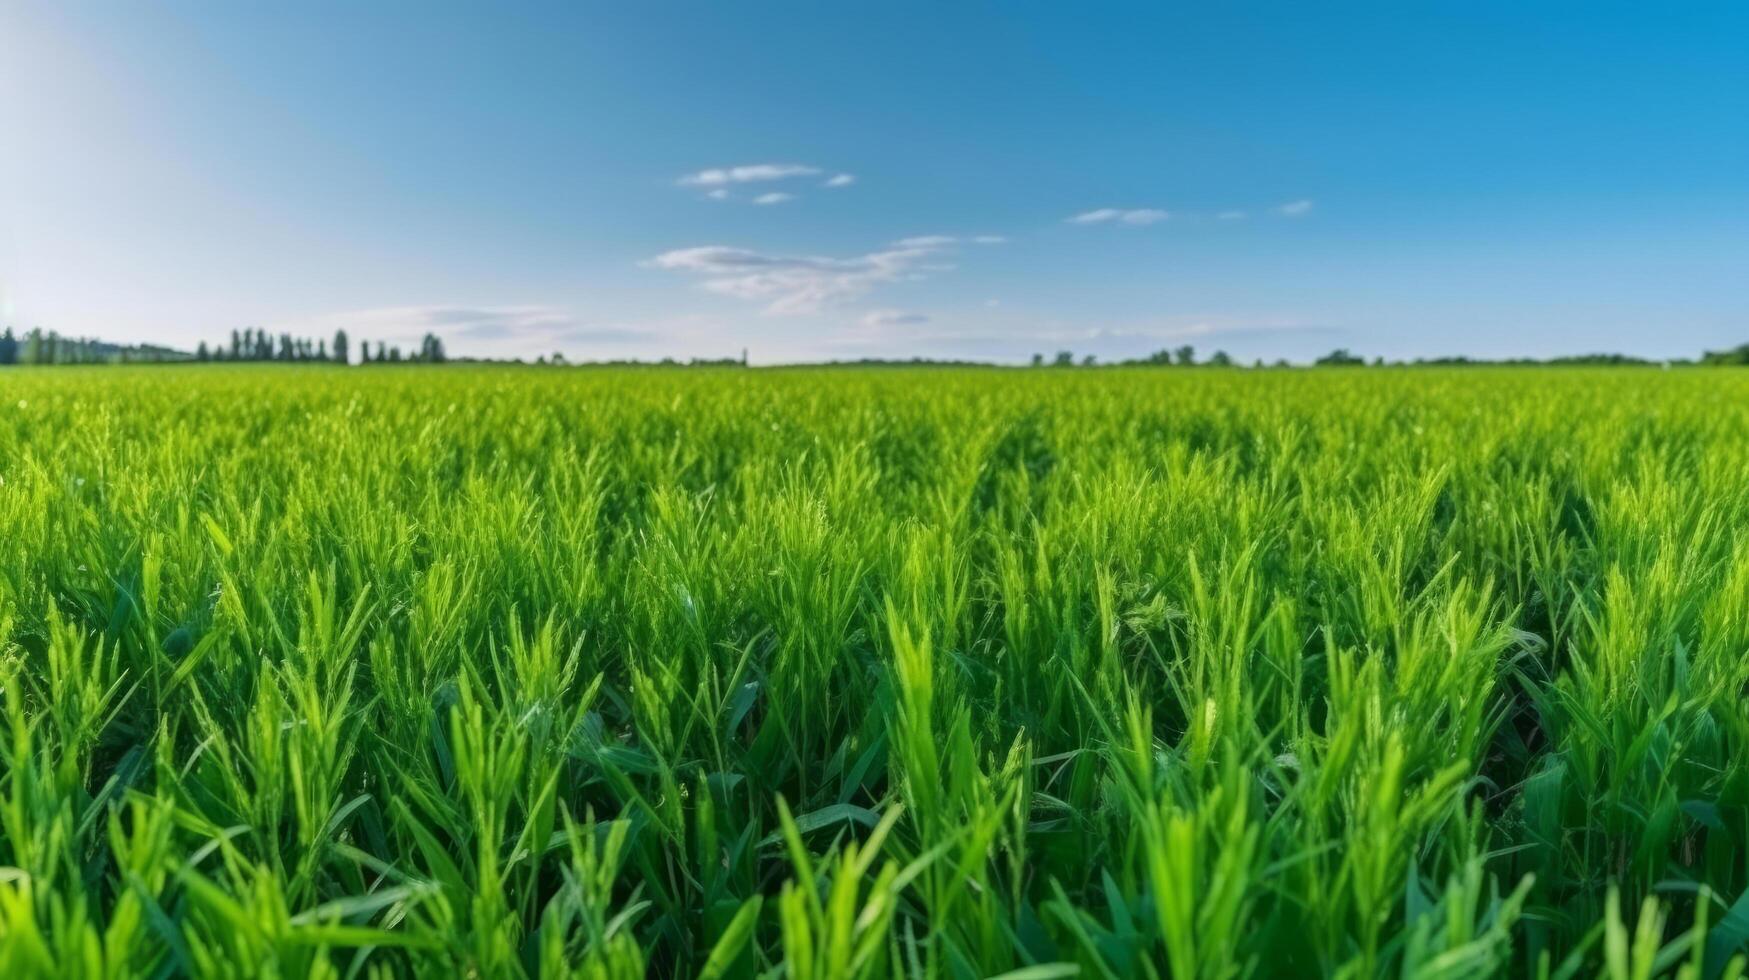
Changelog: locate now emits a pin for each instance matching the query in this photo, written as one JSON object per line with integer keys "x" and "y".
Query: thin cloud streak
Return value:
{"x": 794, "y": 284}
{"x": 893, "y": 318}
{"x": 525, "y": 325}
{"x": 1129, "y": 216}
{"x": 940, "y": 241}
{"x": 720, "y": 176}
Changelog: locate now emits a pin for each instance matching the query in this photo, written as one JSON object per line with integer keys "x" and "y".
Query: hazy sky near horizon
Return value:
{"x": 825, "y": 181}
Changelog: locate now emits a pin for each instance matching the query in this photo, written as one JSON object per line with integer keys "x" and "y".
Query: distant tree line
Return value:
{"x": 1735, "y": 356}
{"x": 895, "y": 362}
{"x": 1570, "y": 360}
{"x": 252, "y": 344}
{"x": 1185, "y": 356}
{"x": 39, "y": 347}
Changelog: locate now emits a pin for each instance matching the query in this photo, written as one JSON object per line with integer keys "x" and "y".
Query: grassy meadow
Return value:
{"x": 821, "y": 673}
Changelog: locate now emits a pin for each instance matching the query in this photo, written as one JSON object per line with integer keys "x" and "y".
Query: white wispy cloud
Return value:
{"x": 1296, "y": 209}
{"x": 717, "y": 181}
{"x": 530, "y": 326}
{"x": 409, "y": 322}
{"x": 790, "y": 284}
{"x": 750, "y": 173}
{"x": 893, "y": 318}
{"x": 942, "y": 241}
{"x": 1128, "y": 216}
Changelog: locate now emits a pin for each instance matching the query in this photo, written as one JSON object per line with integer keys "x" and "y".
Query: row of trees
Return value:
{"x": 1736, "y": 356}
{"x": 47, "y": 347}
{"x": 253, "y": 344}
{"x": 1342, "y": 357}
{"x": 39, "y": 347}
{"x": 257, "y": 345}
{"x": 1181, "y": 357}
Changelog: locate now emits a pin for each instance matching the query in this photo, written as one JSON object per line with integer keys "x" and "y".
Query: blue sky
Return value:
{"x": 648, "y": 179}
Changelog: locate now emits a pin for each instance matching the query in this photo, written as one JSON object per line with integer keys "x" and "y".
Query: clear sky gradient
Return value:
{"x": 828, "y": 180}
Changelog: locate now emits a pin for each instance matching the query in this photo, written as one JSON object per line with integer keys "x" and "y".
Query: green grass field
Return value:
{"x": 826, "y": 673}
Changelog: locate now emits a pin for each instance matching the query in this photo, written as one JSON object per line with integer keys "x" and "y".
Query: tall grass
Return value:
{"x": 621, "y": 673}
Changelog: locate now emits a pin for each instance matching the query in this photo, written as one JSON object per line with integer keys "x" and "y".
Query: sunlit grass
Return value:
{"x": 625, "y": 673}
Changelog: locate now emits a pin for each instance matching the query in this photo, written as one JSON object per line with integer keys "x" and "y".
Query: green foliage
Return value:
{"x": 1340, "y": 357}
{"x": 1735, "y": 356}
{"x": 618, "y": 673}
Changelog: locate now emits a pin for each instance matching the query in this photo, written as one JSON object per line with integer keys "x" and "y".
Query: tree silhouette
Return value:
{"x": 1340, "y": 357}
{"x": 431, "y": 349}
